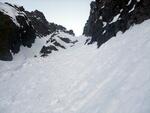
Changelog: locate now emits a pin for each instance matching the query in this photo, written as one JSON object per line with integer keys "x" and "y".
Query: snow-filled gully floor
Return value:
{"x": 112, "y": 79}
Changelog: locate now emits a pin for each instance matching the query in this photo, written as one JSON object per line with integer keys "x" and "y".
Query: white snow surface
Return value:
{"x": 138, "y": 0}
{"x": 129, "y": 2}
{"x": 82, "y": 79}
{"x": 115, "y": 18}
{"x": 132, "y": 9}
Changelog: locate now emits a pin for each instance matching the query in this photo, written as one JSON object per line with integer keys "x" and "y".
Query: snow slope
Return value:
{"x": 82, "y": 79}
{"x": 49, "y": 40}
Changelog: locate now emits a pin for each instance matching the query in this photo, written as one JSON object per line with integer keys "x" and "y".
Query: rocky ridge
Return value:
{"x": 15, "y": 30}
{"x": 56, "y": 41}
{"x": 19, "y": 27}
{"x": 108, "y": 17}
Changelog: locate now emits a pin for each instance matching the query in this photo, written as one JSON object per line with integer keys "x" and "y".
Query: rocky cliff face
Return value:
{"x": 56, "y": 41}
{"x": 15, "y": 30}
{"x": 42, "y": 26}
{"x": 107, "y": 17}
{"x": 19, "y": 27}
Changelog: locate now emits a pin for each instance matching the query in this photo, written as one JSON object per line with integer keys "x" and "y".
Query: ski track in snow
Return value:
{"x": 82, "y": 79}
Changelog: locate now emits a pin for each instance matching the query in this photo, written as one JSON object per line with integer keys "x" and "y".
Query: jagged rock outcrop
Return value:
{"x": 15, "y": 30}
{"x": 19, "y": 27}
{"x": 42, "y": 26}
{"x": 56, "y": 41}
{"x": 107, "y": 17}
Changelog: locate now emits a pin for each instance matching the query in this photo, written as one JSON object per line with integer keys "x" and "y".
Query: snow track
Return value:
{"x": 82, "y": 79}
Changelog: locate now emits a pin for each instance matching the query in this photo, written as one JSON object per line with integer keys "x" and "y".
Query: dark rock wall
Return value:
{"x": 42, "y": 26}
{"x": 39, "y": 22}
{"x": 13, "y": 36}
{"x": 31, "y": 24}
{"x": 107, "y": 17}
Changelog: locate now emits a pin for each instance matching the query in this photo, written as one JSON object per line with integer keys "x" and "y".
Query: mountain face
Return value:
{"x": 81, "y": 79}
{"x": 57, "y": 40}
{"x": 15, "y": 30}
{"x": 19, "y": 27}
{"x": 42, "y": 26}
{"x": 107, "y": 17}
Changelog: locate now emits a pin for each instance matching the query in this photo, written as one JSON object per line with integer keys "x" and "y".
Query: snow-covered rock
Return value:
{"x": 58, "y": 40}
{"x": 20, "y": 28}
{"x": 15, "y": 30}
{"x": 11, "y": 12}
{"x": 113, "y": 16}
{"x": 48, "y": 45}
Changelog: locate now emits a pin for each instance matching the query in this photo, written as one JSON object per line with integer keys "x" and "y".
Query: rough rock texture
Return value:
{"x": 107, "y": 17}
{"x": 42, "y": 26}
{"x": 12, "y": 36}
{"x": 56, "y": 41}
{"x": 20, "y": 27}
{"x": 39, "y": 22}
